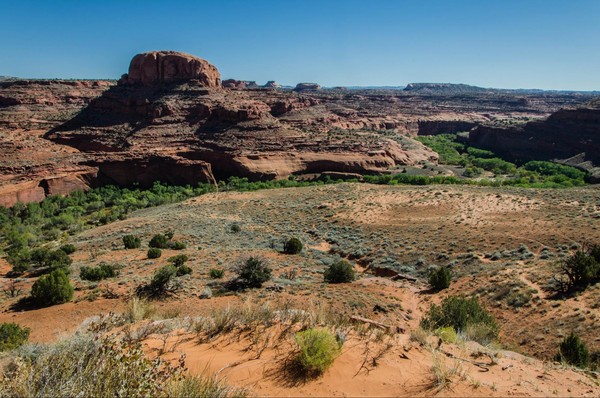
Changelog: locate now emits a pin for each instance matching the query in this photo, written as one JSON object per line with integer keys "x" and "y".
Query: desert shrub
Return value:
{"x": 440, "y": 278}
{"x": 49, "y": 260}
{"x": 318, "y": 350}
{"x": 161, "y": 280}
{"x": 87, "y": 366}
{"x": 177, "y": 245}
{"x": 159, "y": 241}
{"x": 131, "y": 242}
{"x": 292, "y": 246}
{"x": 178, "y": 260}
{"x": 183, "y": 270}
{"x": 461, "y": 313}
{"x": 103, "y": 271}
{"x": 197, "y": 386}
{"x": 154, "y": 252}
{"x": 68, "y": 248}
{"x": 54, "y": 288}
{"x": 574, "y": 351}
{"x": 12, "y": 336}
{"x": 215, "y": 273}
{"x": 579, "y": 270}
{"x": 253, "y": 272}
{"x": 235, "y": 228}
{"x": 447, "y": 334}
{"x": 339, "y": 272}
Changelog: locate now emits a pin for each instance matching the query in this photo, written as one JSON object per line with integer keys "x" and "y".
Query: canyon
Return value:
{"x": 171, "y": 119}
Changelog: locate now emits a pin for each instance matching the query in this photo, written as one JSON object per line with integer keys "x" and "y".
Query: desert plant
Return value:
{"x": 154, "y": 252}
{"x": 159, "y": 241}
{"x": 339, "y": 272}
{"x": 178, "y": 260}
{"x": 215, "y": 273}
{"x": 131, "y": 242}
{"x": 54, "y": 288}
{"x": 235, "y": 228}
{"x": 177, "y": 245}
{"x": 292, "y": 246}
{"x": 68, "y": 248}
{"x": 12, "y": 336}
{"x": 318, "y": 350}
{"x": 459, "y": 313}
{"x": 103, "y": 271}
{"x": 574, "y": 351}
{"x": 440, "y": 278}
{"x": 183, "y": 270}
{"x": 253, "y": 272}
{"x": 49, "y": 260}
{"x": 579, "y": 270}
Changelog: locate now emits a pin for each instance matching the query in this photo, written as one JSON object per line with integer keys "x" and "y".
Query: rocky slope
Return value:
{"x": 170, "y": 119}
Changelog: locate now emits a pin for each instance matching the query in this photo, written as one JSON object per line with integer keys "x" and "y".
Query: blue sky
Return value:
{"x": 502, "y": 43}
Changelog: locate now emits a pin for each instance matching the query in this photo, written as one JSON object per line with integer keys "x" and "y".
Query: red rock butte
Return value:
{"x": 157, "y": 67}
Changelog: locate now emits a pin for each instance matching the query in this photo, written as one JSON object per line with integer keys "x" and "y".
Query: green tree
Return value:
{"x": 253, "y": 272}
{"x": 339, "y": 272}
{"x": 54, "y": 288}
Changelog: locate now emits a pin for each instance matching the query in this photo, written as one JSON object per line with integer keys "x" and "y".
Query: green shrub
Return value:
{"x": 216, "y": 273}
{"x": 178, "y": 260}
{"x": 177, "y": 245}
{"x": 292, "y": 246}
{"x": 574, "y": 351}
{"x": 440, "y": 278}
{"x": 159, "y": 241}
{"x": 340, "y": 272}
{"x": 579, "y": 270}
{"x": 131, "y": 242}
{"x": 161, "y": 280}
{"x": 235, "y": 228}
{"x": 183, "y": 270}
{"x": 253, "y": 272}
{"x": 447, "y": 334}
{"x": 51, "y": 289}
{"x": 103, "y": 271}
{"x": 154, "y": 252}
{"x": 12, "y": 336}
{"x": 68, "y": 248}
{"x": 460, "y": 313}
{"x": 50, "y": 259}
{"x": 318, "y": 350}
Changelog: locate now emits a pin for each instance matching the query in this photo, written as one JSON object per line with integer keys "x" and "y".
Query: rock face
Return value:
{"x": 272, "y": 84}
{"x": 170, "y": 66}
{"x": 182, "y": 127}
{"x": 239, "y": 84}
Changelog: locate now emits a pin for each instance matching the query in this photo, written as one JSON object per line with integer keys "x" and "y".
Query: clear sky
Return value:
{"x": 546, "y": 44}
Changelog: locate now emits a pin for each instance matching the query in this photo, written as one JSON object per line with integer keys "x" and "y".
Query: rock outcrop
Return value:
{"x": 180, "y": 126}
{"x": 272, "y": 84}
{"x": 157, "y": 67}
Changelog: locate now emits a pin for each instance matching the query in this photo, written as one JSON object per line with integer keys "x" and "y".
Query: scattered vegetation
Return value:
{"x": 51, "y": 289}
{"x": 440, "y": 278}
{"x": 215, "y": 273}
{"x": 340, "y": 272}
{"x": 100, "y": 272}
{"x": 131, "y": 242}
{"x": 154, "y": 252}
{"x": 465, "y": 315}
{"x": 579, "y": 270}
{"x": 178, "y": 260}
{"x": 12, "y": 336}
{"x": 318, "y": 350}
{"x": 292, "y": 246}
{"x": 252, "y": 272}
{"x": 68, "y": 248}
{"x": 573, "y": 351}
{"x": 159, "y": 241}
{"x": 88, "y": 366}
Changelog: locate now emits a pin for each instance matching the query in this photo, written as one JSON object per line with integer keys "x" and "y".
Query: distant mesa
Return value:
{"x": 444, "y": 88}
{"x": 158, "y": 67}
{"x": 272, "y": 84}
{"x": 307, "y": 87}
{"x": 239, "y": 84}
